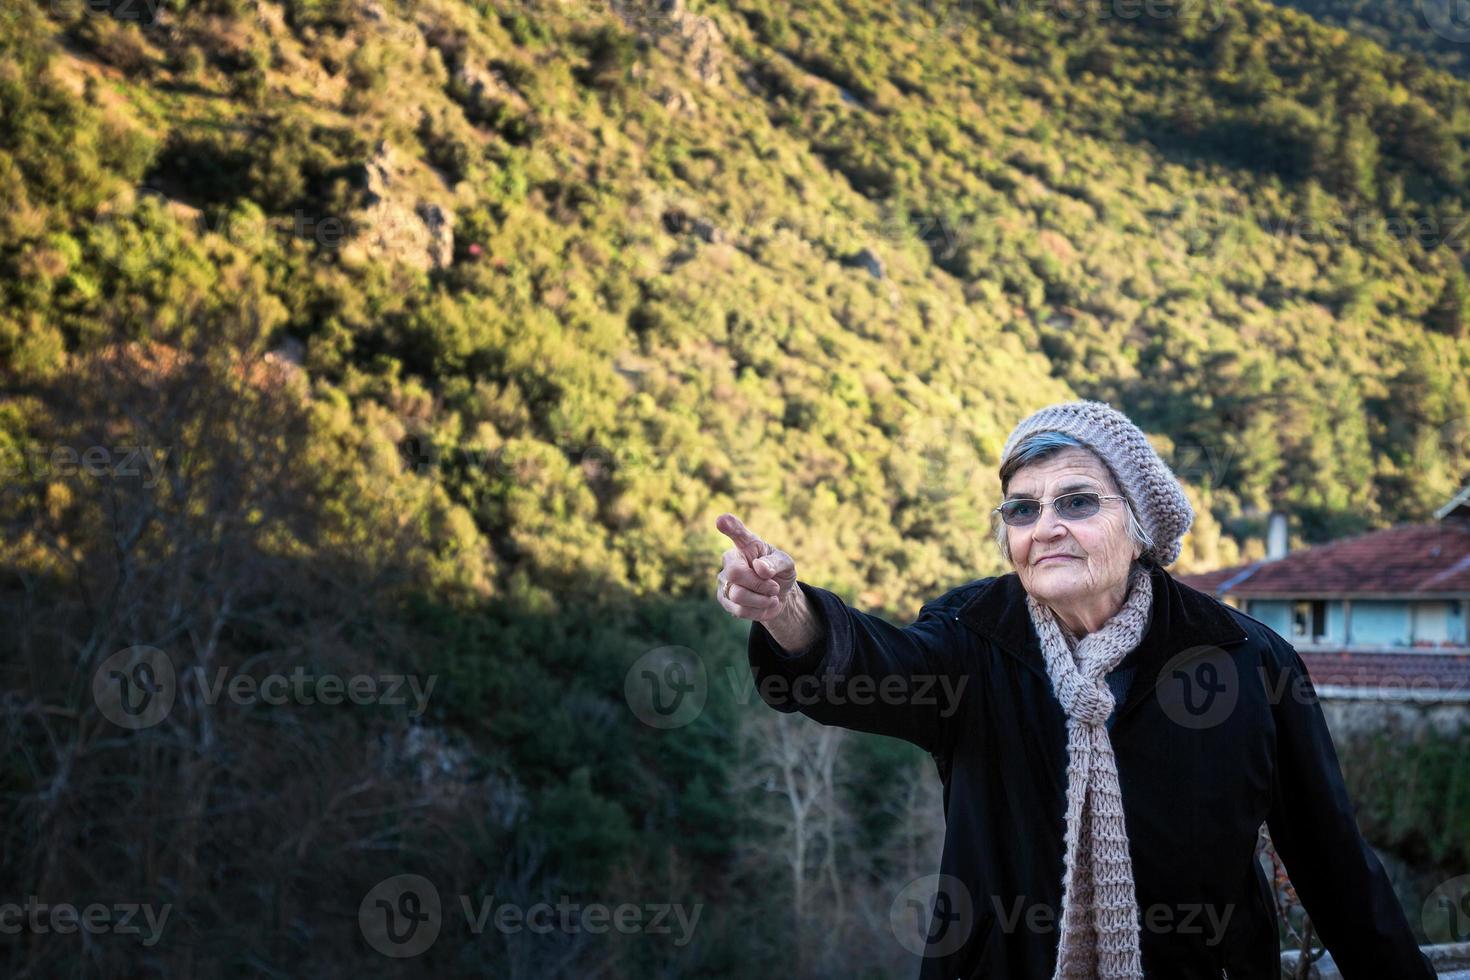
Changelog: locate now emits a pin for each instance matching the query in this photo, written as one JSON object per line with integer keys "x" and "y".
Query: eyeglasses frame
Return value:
{"x": 1046, "y": 503}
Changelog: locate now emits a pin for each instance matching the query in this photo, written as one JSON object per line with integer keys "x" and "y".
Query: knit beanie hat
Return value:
{"x": 1145, "y": 479}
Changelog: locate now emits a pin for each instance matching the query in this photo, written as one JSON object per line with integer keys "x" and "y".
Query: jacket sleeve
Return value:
{"x": 866, "y": 674}
{"x": 1313, "y": 825}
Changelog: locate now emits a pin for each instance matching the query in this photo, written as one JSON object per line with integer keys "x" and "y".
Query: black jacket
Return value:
{"x": 1220, "y": 731}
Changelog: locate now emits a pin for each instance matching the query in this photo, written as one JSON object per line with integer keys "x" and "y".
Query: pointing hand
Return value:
{"x": 755, "y": 579}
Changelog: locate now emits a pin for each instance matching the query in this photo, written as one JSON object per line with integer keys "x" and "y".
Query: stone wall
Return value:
{"x": 1351, "y": 715}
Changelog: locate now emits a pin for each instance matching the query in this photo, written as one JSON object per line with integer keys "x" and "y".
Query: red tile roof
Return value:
{"x": 1408, "y": 559}
{"x": 1210, "y": 581}
{"x": 1413, "y": 673}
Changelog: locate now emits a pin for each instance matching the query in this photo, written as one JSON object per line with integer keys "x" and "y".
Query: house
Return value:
{"x": 1382, "y": 610}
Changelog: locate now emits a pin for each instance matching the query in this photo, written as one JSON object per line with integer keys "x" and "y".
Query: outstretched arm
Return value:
{"x": 811, "y": 652}
{"x": 864, "y": 673}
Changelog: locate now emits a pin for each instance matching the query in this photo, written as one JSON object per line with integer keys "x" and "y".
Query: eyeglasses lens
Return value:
{"x": 1074, "y": 506}
{"x": 1070, "y": 506}
{"x": 1019, "y": 513}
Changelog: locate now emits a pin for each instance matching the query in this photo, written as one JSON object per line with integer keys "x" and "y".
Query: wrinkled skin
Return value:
{"x": 1086, "y": 589}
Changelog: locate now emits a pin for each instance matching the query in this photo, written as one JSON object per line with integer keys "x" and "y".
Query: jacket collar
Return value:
{"x": 1182, "y": 618}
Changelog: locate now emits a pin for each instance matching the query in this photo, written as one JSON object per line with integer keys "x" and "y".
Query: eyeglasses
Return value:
{"x": 1076, "y": 506}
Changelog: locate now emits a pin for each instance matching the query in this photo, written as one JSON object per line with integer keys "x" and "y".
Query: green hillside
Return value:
{"x": 1432, "y": 30}
{"x": 660, "y": 222}
{"x": 453, "y": 327}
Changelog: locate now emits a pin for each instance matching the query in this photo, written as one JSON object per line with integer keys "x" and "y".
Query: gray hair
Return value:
{"x": 1041, "y": 446}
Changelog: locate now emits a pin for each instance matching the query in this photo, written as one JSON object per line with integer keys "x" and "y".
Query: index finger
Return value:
{"x": 748, "y": 543}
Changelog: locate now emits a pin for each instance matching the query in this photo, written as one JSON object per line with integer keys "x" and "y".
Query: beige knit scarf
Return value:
{"x": 1099, "y": 935}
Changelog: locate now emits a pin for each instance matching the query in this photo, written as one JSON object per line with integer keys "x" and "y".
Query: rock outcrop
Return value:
{"x": 396, "y": 225}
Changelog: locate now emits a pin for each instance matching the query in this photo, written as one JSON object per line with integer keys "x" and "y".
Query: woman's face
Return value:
{"x": 1098, "y": 549}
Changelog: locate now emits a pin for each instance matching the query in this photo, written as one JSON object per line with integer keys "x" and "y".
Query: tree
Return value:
{"x": 189, "y": 527}
{"x": 1351, "y": 165}
{"x": 1451, "y": 311}
{"x": 794, "y": 760}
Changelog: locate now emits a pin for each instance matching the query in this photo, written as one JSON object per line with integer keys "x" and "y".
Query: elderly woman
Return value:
{"x": 1110, "y": 740}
